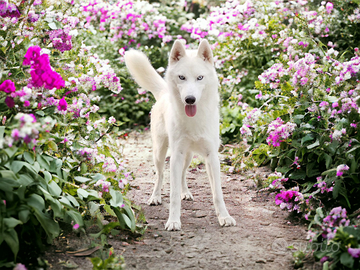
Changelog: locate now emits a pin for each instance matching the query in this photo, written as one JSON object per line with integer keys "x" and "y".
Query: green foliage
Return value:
{"x": 112, "y": 262}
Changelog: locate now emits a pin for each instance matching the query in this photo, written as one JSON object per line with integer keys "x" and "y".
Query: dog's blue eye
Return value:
{"x": 181, "y": 77}
{"x": 200, "y": 78}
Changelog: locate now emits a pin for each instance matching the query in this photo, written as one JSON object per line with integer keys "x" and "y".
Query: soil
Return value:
{"x": 258, "y": 241}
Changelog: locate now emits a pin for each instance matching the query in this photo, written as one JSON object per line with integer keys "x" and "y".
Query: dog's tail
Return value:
{"x": 144, "y": 74}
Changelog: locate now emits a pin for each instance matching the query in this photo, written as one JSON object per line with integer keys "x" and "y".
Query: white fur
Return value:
{"x": 171, "y": 127}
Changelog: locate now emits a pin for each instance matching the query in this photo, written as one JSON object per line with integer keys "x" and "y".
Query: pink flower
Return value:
{"x": 76, "y": 226}
{"x": 354, "y": 252}
{"x": 329, "y": 7}
{"x": 32, "y": 54}
{"x": 7, "y": 86}
{"x": 15, "y": 134}
{"x": 26, "y": 103}
{"x": 62, "y": 105}
{"x": 9, "y": 101}
{"x": 341, "y": 168}
{"x": 20, "y": 266}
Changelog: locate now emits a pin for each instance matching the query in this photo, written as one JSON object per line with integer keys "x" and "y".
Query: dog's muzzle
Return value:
{"x": 190, "y": 107}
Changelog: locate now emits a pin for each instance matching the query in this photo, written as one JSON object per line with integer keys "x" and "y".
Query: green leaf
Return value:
{"x": 54, "y": 189}
{"x": 82, "y": 193}
{"x": 313, "y": 145}
{"x": 11, "y": 222}
{"x": 94, "y": 208}
{"x": 47, "y": 176}
{"x": 29, "y": 157}
{"x": 55, "y": 164}
{"x": 2, "y": 130}
{"x": 43, "y": 162}
{"x": 298, "y": 174}
{"x": 72, "y": 200}
{"x": 50, "y": 226}
{"x": 347, "y": 260}
{"x": 116, "y": 198}
{"x": 308, "y": 137}
{"x": 7, "y": 185}
{"x": 336, "y": 188}
{"x": 82, "y": 179}
{"x": 41, "y": 113}
{"x": 128, "y": 217}
{"x": 24, "y": 215}
{"x": 16, "y": 166}
{"x": 36, "y": 202}
{"x": 11, "y": 238}
{"x": 52, "y": 145}
{"x": 328, "y": 160}
{"x": 109, "y": 210}
{"x": 76, "y": 217}
{"x": 83, "y": 168}
{"x": 8, "y": 174}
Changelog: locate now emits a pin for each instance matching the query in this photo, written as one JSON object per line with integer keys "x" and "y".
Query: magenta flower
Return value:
{"x": 341, "y": 168}
{"x": 279, "y": 132}
{"x": 31, "y": 55}
{"x": 9, "y": 101}
{"x": 15, "y": 134}
{"x": 20, "y": 266}
{"x": 9, "y": 10}
{"x": 329, "y": 7}
{"x": 61, "y": 40}
{"x": 7, "y": 86}
{"x": 62, "y": 105}
{"x": 354, "y": 252}
{"x": 76, "y": 226}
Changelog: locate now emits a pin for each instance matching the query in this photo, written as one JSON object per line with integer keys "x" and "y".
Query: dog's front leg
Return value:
{"x": 176, "y": 166}
{"x": 213, "y": 169}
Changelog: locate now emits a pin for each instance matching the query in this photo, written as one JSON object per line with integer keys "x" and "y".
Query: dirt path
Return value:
{"x": 258, "y": 241}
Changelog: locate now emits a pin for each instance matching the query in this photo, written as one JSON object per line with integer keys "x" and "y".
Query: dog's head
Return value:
{"x": 191, "y": 72}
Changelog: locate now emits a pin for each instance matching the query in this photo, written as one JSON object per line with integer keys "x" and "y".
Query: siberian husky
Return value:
{"x": 185, "y": 118}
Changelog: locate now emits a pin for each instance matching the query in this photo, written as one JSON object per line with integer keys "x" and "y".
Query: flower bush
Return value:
{"x": 289, "y": 79}
{"x": 59, "y": 159}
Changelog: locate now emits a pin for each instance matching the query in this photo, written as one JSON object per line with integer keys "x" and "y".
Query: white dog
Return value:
{"x": 185, "y": 118}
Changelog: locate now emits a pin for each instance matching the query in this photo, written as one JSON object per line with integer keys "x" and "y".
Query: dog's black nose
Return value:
{"x": 190, "y": 100}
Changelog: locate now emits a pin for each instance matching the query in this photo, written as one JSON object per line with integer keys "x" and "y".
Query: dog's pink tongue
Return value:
{"x": 190, "y": 110}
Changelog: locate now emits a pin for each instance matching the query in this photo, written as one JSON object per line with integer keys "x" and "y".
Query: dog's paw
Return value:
{"x": 154, "y": 200}
{"x": 227, "y": 221}
{"x": 187, "y": 196}
{"x": 173, "y": 225}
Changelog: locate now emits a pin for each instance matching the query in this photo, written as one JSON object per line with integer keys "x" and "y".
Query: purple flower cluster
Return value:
{"x": 41, "y": 72}
{"x": 279, "y": 132}
{"x": 302, "y": 70}
{"x": 61, "y": 40}
{"x": 8, "y": 10}
{"x": 103, "y": 184}
{"x": 27, "y": 130}
{"x": 273, "y": 75}
{"x": 127, "y": 20}
{"x": 277, "y": 180}
{"x": 335, "y": 219}
{"x": 354, "y": 252}
{"x": 290, "y": 199}
{"x": 341, "y": 168}
{"x": 224, "y": 21}
{"x": 322, "y": 185}
{"x": 346, "y": 70}
{"x": 8, "y": 87}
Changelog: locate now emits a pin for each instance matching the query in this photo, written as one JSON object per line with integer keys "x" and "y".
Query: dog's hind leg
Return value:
{"x": 213, "y": 169}
{"x": 160, "y": 146}
{"x": 185, "y": 192}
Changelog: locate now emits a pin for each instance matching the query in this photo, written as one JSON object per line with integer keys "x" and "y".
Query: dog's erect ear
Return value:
{"x": 204, "y": 51}
{"x": 177, "y": 52}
